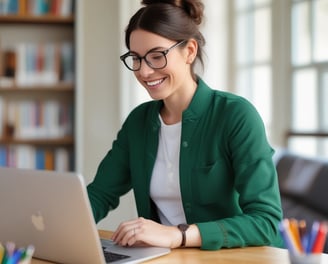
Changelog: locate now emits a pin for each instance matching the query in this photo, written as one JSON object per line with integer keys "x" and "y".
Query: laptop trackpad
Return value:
{"x": 119, "y": 254}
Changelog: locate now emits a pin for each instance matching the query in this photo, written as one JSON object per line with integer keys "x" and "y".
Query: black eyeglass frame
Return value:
{"x": 164, "y": 52}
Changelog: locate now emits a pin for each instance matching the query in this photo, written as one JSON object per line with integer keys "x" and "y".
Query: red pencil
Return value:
{"x": 320, "y": 240}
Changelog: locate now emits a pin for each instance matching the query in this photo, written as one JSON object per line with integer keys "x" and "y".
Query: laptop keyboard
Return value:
{"x": 111, "y": 257}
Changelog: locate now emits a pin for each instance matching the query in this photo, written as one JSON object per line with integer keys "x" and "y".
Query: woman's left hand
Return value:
{"x": 143, "y": 231}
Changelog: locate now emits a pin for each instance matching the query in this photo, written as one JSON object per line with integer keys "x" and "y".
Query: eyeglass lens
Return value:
{"x": 154, "y": 59}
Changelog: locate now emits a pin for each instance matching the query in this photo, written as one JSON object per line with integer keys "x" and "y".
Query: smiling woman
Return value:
{"x": 214, "y": 28}
{"x": 196, "y": 158}
{"x": 172, "y": 77}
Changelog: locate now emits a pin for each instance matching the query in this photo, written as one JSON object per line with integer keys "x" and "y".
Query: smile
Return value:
{"x": 153, "y": 83}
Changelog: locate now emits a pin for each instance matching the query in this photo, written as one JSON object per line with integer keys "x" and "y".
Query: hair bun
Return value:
{"x": 194, "y": 8}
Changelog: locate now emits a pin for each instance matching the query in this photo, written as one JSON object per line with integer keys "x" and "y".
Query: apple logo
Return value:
{"x": 38, "y": 221}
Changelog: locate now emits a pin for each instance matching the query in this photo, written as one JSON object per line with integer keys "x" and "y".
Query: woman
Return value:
{"x": 197, "y": 159}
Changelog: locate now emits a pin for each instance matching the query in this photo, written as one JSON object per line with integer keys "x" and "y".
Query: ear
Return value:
{"x": 191, "y": 47}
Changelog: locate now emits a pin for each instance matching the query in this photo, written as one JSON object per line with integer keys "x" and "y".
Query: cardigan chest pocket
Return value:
{"x": 211, "y": 182}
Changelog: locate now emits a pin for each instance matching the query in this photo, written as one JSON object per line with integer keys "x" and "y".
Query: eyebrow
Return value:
{"x": 153, "y": 49}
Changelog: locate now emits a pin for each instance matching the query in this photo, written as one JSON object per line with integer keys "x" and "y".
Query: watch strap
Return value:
{"x": 183, "y": 228}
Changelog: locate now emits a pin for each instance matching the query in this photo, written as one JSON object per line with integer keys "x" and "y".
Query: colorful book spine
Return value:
{"x": 63, "y": 8}
{"x": 30, "y": 157}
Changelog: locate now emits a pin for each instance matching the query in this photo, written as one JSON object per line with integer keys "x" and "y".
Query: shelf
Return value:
{"x": 38, "y": 88}
{"x": 66, "y": 141}
{"x": 42, "y": 19}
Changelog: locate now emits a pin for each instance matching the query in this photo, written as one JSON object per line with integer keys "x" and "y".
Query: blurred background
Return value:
{"x": 273, "y": 52}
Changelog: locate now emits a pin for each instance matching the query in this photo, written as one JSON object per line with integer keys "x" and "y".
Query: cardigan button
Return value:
{"x": 188, "y": 207}
{"x": 185, "y": 144}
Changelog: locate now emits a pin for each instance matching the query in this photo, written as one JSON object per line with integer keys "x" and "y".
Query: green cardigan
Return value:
{"x": 228, "y": 180}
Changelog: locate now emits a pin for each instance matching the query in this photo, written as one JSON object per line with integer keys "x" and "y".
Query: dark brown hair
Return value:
{"x": 173, "y": 19}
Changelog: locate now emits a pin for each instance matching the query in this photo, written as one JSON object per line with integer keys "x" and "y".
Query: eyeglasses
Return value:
{"x": 155, "y": 59}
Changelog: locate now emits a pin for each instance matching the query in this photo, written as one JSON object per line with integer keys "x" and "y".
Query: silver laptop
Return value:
{"x": 51, "y": 211}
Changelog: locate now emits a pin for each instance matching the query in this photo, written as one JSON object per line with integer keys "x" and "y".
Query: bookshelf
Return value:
{"x": 37, "y": 84}
{"x": 45, "y": 19}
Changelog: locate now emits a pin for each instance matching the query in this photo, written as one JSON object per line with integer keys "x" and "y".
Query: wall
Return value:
{"x": 98, "y": 109}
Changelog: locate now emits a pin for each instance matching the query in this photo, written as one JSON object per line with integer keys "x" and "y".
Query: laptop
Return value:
{"x": 51, "y": 211}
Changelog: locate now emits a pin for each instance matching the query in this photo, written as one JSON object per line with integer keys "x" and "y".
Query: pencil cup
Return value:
{"x": 305, "y": 259}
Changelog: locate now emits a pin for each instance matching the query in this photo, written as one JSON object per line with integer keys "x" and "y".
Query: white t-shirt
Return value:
{"x": 165, "y": 182}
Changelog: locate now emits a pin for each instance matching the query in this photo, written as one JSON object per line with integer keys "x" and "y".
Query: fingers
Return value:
{"x": 126, "y": 233}
{"x": 146, "y": 232}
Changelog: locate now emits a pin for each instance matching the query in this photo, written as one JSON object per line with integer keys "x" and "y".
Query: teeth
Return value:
{"x": 155, "y": 82}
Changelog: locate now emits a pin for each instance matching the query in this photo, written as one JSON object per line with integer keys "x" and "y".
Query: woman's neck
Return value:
{"x": 174, "y": 105}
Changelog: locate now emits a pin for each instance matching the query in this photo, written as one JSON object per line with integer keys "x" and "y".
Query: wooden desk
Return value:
{"x": 248, "y": 255}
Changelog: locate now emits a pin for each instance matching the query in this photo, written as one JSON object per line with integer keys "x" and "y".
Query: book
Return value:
{"x": 49, "y": 163}
{"x": 43, "y": 64}
{"x": 22, "y": 7}
{"x": 39, "y": 159}
{"x": 62, "y": 159}
{"x": 67, "y": 62}
{"x": 25, "y": 156}
{"x": 2, "y": 114}
{"x": 3, "y": 156}
{"x": 37, "y": 7}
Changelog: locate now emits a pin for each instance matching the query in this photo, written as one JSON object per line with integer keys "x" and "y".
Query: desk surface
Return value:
{"x": 248, "y": 255}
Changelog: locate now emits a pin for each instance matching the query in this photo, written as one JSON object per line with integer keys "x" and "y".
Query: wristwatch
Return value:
{"x": 183, "y": 228}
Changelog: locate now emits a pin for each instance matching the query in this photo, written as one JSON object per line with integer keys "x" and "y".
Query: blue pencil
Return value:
{"x": 312, "y": 236}
{"x": 14, "y": 259}
{"x": 286, "y": 236}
